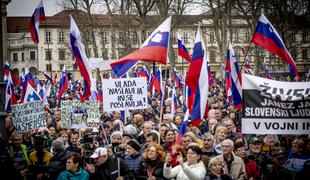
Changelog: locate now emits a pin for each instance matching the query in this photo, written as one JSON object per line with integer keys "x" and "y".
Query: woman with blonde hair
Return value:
{"x": 152, "y": 163}
{"x": 219, "y": 136}
{"x": 216, "y": 170}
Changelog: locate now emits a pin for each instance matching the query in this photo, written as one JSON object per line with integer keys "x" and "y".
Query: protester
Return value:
{"x": 152, "y": 163}
{"x": 106, "y": 167}
{"x": 232, "y": 164}
{"x": 133, "y": 157}
{"x": 74, "y": 171}
{"x": 58, "y": 161}
{"x": 215, "y": 170}
{"x": 193, "y": 168}
{"x": 73, "y": 145}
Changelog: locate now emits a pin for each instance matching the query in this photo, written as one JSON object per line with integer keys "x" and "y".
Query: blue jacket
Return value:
{"x": 80, "y": 175}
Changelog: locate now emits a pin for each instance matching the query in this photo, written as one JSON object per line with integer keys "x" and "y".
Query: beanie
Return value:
{"x": 134, "y": 144}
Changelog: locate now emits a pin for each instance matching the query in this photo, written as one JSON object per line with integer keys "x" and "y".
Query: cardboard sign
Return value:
{"x": 124, "y": 94}
{"x": 28, "y": 116}
{"x": 75, "y": 114}
{"x": 274, "y": 107}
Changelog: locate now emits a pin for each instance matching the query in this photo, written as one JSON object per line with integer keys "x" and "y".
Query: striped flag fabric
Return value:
{"x": 266, "y": 71}
{"x": 37, "y": 16}
{"x": 236, "y": 81}
{"x": 10, "y": 96}
{"x": 63, "y": 84}
{"x": 267, "y": 37}
{"x": 182, "y": 50}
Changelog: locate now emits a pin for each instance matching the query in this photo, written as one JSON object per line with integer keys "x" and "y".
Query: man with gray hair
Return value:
{"x": 232, "y": 164}
{"x": 208, "y": 148}
{"x": 58, "y": 161}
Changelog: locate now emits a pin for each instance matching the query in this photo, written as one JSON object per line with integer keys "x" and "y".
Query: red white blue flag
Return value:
{"x": 28, "y": 81}
{"x": 154, "y": 49}
{"x": 199, "y": 63}
{"x": 143, "y": 73}
{"x": 177, "y": 79}
{"x": 182, "y": 129}
{"x": 63, "y": 84}
{"x": 236, "y": 81}
{"x": 10, "y": 96}
{"x": 37, "y": 16}
{"x": 174, "y": 102}
{"x": 156, "y": 83}
{"x": 31, "y": 95}
{"x": 78, "y": 49}
{"x": 182, "y": 50}
{"x": 268, "y": 38}
{"x": 266, "y": 71}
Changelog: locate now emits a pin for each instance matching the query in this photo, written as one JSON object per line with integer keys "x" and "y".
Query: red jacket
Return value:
{"x": 251, "y": 168}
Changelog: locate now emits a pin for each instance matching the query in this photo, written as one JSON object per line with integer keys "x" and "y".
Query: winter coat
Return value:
{"x": 237, "y": 170}
{"x": 211, "y": 176}
{"x": 80, "y": 175}
{"x": 109, "y": 170}
{"x": 158, "y": 168}
{"x": 252, "y": 170}
{"x": 57, "y": 165}
{"x": 186, "y": 172}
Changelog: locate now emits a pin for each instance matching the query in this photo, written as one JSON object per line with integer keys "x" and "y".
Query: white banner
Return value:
{"x": 28, "y": 116}
{"x": 75, "y": 114}
{"x": 124, "y": 94}
{"x": 100, "y": 63}
{"x": 275, "y": 107}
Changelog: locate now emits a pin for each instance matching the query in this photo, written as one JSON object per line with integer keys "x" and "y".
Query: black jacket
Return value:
{"x": 57, "y": 165}
{"x": 158, "y": 170}
{"x": 109, "y": 170}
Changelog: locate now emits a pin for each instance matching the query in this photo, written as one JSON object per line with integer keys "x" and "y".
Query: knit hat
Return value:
{"x": 99, "y": 152}
{"x": 134, "y": 144}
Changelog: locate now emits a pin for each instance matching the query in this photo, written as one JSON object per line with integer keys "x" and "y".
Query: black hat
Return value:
{"x": 134, "y": 144}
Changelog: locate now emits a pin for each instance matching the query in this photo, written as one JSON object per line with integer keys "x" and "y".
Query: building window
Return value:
{"x": 32, "y": 55}
{"x": 15, "y": 56}
{"x": 304, "y": 37}
{"x": 134, "y": 37}
{"x": 121, "y": 37}
{"x": 61, "y": 54}
{"x": 48, "y": 55}
{"x": 236, "y": 37}
{"x": 104, "y": 37}
{"x": 48, "y": 36}
{"x": 212, "y": 56}
{"x": 61, "y": 37}
{"x": 304, "y": 53}
{"x": 212, "y": 39}
{"x": 61, "y": 67}
{"x": 247, "y": 36}
{"x": 48, "y": 67}
{"x": 185, "y": 37}
{"x": 23, "y": 56}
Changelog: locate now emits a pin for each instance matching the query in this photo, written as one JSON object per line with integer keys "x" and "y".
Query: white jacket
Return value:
{"x": 186, "y": 172}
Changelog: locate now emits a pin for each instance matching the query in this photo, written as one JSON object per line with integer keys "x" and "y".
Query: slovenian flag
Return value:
{"x": 236, "y": 81}
{"x": 28, "y": 81}
{"x": 10, "y": 96}
{"x": 268, "y": 38}
{"x": 182, "y": 129}
{"x": 174, "y": 102}
{"x": 143, "y": 73}
{"x": 200, "y": 106}
{"x": 37, "y": 16}
{"x": 156, "y": 83}
{"x": 182, "y": 50}
{"x": 78, "y": 49}
{"x": 154, "y": 49}
{"x": 228, "y": 80}
{"x": 7, "y": 68}
{"x": 177, "y": 79}
{"x": 63, "y": 84}
{"x": 266, "y": 71}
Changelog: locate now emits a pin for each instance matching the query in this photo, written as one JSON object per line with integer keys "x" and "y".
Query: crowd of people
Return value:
{"x": 145, "y": 147}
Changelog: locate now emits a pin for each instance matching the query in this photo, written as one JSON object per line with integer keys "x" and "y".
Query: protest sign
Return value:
{"x": 124, "y": 94}
{"x": 274, "y": 107}
{"x": 75, "y": 114}
{"x": 28, "y": 116}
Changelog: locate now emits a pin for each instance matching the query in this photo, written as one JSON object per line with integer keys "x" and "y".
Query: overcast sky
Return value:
{"x": 27, "y": 7}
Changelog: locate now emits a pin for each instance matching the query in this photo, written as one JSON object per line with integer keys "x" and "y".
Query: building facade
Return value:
{"x": 116, "y": 36}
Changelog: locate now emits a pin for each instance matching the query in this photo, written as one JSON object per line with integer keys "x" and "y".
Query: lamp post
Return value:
{"x": 3, "y": 48}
